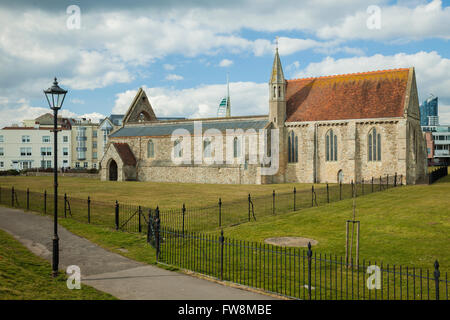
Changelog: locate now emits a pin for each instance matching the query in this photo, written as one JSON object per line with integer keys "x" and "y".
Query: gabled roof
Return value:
{"x": 139, "y": 104}
{"x": 377, "y": 94}
{"x": 125, "y": 153}
{"x": 166, "y": 129}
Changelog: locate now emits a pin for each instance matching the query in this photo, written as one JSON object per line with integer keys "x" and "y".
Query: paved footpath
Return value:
{"x": 110, "y": 272}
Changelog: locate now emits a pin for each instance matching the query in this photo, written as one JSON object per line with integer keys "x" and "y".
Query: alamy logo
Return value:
{"x": 242, "y": 147}
{"x": 374, "y": 19}
{"x": 74, "y": 19}
{"x": 74, "y": 279}
{"x": 374, "y": 280}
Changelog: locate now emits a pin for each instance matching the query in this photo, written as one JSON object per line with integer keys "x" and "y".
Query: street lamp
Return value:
{"x": 55, "y": 98}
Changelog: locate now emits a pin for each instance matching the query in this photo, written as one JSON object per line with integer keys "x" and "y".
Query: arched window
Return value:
{"x": 374, "y": 145}
{"x": 207, "y": 148}
{"x": 274, "y": 91}
{"x": 279, "y": 91}
{"x": 236, "y": 147}
{"x": 150, "y": 149}
{"x": 331, "y": 147}
{"x": 292, "y": 147}
{"x": 177, "y": 148}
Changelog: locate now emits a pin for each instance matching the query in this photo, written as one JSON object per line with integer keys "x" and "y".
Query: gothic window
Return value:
{"x": 292, "y": 147}
{"x": 236, "y": 147}
{"x": 374, "y": 145}
{"x": 177, "y": 149}
{"x": 150, "y": 149}
{"x": 331, "y": 147}
{"x": 279, "y": 91}
{"x": 207, "y": 148}
{"x": 274, "y": 91}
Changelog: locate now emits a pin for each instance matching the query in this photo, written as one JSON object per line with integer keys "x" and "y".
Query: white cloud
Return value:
{"x": 174, "y": 77}
{"x": 169, "y": 67}
{"x": 429, "y": 20}
{"x": 77, "y": 101}
{"x": 246, "y": 98}
{"x": 225, "y": 63}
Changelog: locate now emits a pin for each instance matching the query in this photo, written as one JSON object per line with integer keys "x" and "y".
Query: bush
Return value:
{"x": 10, "y": 172}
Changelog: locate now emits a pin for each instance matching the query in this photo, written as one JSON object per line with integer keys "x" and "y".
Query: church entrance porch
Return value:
{"x": 112, "y": 171}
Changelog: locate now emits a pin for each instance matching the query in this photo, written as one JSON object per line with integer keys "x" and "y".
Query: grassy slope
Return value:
{"x": 26, "y": 276}
{"x": 408, "y": 225}
{"x": 167, "y": 195}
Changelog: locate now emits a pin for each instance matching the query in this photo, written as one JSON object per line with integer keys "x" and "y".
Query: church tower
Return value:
{"x": 277, "y": 114}
{"x": 277, "y": 93}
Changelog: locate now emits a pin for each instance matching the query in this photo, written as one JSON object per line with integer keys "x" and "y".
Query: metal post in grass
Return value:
{"x": 380, "y": 183}
{"x": 273, "y": 203}
{"x": 340, "y": 190}
{"x": 328, "y": 194}
{"x": 89, "y": 209}
{"x": 65, "y": 205}
{"x": 249, "y": 202}
{"x": 28, "y": 199}
{"x": 309, "y": 254}
{"x": 437, "y": 274}
{"x": 117, "y": 215}
{"x": 139, "y": 219}
{"x": 295, "y": 193}
{"x": 12, "y": 197}
{"x": 183, "y": 212}
{"x": 45, "y": 201}
{"x": 221, "y": 241}
{"x": 372, "y": 184}
{"x": 157, "y": 227}
{"x": 312, "y": 196}
{"x": 395, "y": 179}
{"x": 353, "y": 190}
{"x": 387, "y": 181}
{"x": 220, "y": 212}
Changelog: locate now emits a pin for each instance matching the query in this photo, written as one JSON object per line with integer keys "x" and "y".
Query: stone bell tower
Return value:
{"x": 277, "y": 113}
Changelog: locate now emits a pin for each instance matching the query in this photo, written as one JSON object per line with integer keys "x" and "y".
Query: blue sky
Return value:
{"x": 181, "y": 51}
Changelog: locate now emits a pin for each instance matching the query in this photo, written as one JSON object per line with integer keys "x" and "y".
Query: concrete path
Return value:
{"x": 110, "y": 272}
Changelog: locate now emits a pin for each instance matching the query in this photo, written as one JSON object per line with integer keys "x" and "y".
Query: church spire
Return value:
{"x": 277, "y": 75}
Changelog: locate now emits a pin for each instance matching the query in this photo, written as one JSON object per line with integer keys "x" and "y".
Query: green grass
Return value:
{"x": 26, "y": 276}
{"x": 149, "y": 194}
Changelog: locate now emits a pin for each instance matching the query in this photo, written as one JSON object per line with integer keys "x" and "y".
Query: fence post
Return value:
{"x": 12, "y": 197}
{"x": 328, "y": 194}
{"x": 309, "y": 254}
{"x": 340, "y": 190}
{"x": 436, "y": 278}
{"x": 45, "y": 201}
{"x": 157, "y": 226}
{"x": 140, "y": 225}
{"x": 183, "y": 212}
{"x": 249, "y": 202}
{"x": 89, "y": 209}
{"x": 295, "y": 193}
{"x": 312, "y": 196}
{"x": 65, "y": 205}
{"x": 28, "y": 198}
{"x": 387, "y": 181}
{"x": 380, "y": 183}
{"x": 372, "y": 184}
{"x": 395, "y": 179}
{"x": 221, "y": 240}
{"x": 353, "y": 190}
{"x": 220, "y": 212}
{"x": 273, "y": 202}
{"x": 401, "y": 179}
{"x": 117, "y": 215}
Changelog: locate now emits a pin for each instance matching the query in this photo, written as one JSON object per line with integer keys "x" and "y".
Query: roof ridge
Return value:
{"x": 349, "y": 74}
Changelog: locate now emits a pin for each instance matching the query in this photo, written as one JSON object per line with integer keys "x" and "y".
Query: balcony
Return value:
{"x": 442, "y": 153}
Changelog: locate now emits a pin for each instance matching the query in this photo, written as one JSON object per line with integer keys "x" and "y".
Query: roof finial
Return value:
{"x": 276, "y": 43}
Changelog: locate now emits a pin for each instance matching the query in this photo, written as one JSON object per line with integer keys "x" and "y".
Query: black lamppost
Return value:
{"x": 55, "y": 97}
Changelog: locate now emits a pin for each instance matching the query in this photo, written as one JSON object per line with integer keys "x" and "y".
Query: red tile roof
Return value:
{"x": 125, "y": 153}
{"x": 377, "y": 94}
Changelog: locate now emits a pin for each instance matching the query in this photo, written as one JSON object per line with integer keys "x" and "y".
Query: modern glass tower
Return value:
{"x": 429, "y": 112}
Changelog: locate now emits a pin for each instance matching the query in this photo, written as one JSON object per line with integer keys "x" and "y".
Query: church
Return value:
{"x": 331, "y": 129}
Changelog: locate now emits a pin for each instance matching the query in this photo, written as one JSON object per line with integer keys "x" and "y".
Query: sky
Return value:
{"x": 180, "y": 51}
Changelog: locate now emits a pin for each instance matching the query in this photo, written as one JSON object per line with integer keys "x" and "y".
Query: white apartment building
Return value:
{"x": 32, "y": 147}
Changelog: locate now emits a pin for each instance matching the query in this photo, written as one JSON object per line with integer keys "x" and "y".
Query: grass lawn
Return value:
{"x": 26, "y": 276}
{"x": 408, "y": 225}
{"x": 149, "y": 194}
